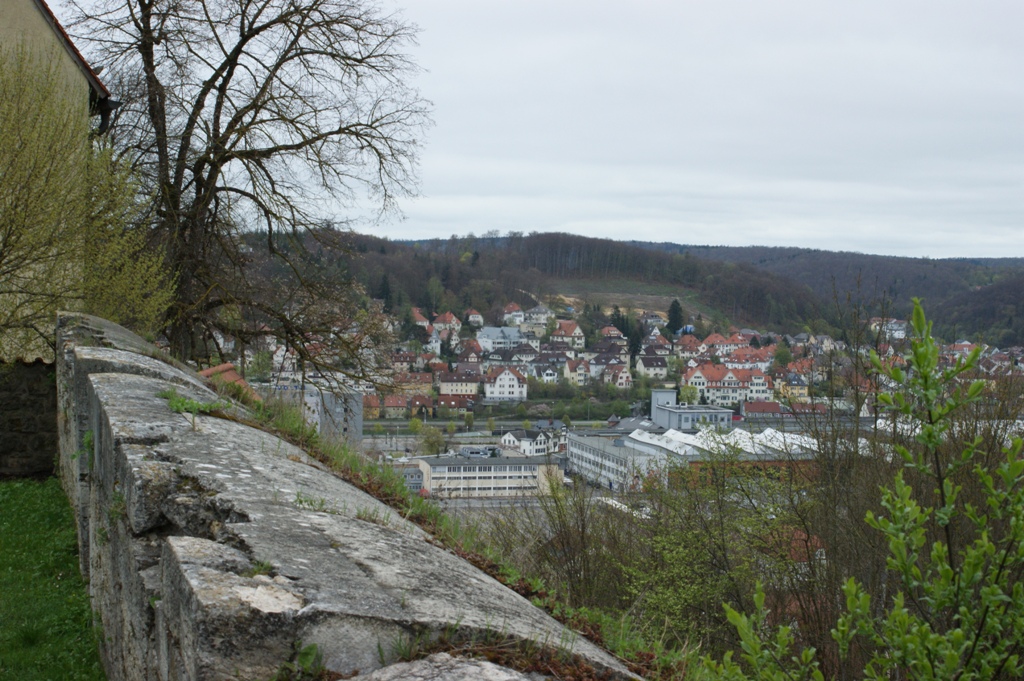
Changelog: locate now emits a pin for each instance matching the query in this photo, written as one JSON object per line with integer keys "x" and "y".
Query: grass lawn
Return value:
{"x": 45, "y": 621}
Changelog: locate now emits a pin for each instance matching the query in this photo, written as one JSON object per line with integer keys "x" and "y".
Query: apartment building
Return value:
{"x": 456, "y": 476}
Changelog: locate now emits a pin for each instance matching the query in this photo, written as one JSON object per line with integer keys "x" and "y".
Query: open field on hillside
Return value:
{"x": 630, "y": 294}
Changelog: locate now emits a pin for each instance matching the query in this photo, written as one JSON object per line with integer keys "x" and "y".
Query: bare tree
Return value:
{"x": 259, "y": 115}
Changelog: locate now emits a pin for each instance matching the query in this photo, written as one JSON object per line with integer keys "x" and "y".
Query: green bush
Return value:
{"x": 955, "y": 609}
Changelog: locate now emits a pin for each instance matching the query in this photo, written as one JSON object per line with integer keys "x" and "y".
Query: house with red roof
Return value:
{"x": 714, "y": 341}
{"x": 413, "y": 382}
{"x": 755, "y": 410}
{"x": 371, "y": 406}
{"x": 808, "y": 409}
{"x": 657, "y": 345}
{"x": 504, "y": 384}
{"x": 454, "y": 405}
{"x": 513, "y": 315}
{"x": 612, "y": 332}
{"x": 419, "y": 319}
{"x": 720, "y": 385}
{"x": 403, "y": 361}
{"x": 462, "y": 383}
{"x": 395, "y": 406}
{"x": 421, "y": 406}
{"x": 227, "y": 374}
{"x": 570, "y": 333}
{"x": 962, "y": 348}
{"x": 689, "y": 346}
{"x": 749, "y": 357}
{"x": 732, "y": 343}
{"x": 619, "y": 376}
{"x": 804, "y": 368}
{"x": 446, "y": 321}
{"x": 577, "y": 371}
{"x": 470, "y": 356}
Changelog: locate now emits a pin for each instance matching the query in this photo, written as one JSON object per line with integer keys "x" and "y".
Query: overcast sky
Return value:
{"x": 888, "y": 127}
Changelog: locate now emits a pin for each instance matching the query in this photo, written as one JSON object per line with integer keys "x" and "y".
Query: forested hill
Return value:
{"x": 994, "y": 314}
{"x": 485, "y": 273}
{"x": 976, "y": 299}
{"x": 872, "y": 276}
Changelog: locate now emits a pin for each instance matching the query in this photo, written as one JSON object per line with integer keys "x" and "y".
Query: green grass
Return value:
{"x": 46, "y": 627}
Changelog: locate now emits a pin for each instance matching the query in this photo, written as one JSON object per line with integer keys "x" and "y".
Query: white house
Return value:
{"x": 720, "y": 385}
{"x": 539, "y": 315}
{"x": 493, "y": 338}
{"x": 433, "y": 343}
{"x": 547, "y": 374}
{"x": 528, "y": 442}
{"x": 513, "y": 315}
{"x": 504, "y": 384}
{"x": 619, "y": 376}
{"x": 652, "y": 366}
{"x": 446, "y": 320}
{"x": 570, "y": 333}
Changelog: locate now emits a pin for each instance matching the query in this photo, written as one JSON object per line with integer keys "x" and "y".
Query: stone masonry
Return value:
{"x": 28, "y": 419}
{"x": 213, "y": 548}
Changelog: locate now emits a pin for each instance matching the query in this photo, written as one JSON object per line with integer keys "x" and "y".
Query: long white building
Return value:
{"x": 611, "y": 463}
{"x": 456, "y": 476}
{"x": 623, "y": 462}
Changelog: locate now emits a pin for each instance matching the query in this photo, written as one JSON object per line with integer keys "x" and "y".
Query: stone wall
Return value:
{"x": 213, "y": 548}
{"x": 28, "y": 419}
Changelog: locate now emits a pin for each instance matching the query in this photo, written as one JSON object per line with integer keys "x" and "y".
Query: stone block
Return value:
{"x": 214, "y": 549}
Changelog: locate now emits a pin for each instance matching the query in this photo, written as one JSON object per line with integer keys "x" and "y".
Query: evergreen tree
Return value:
{"x": 636, "y": 338}
{"x": 616, "y": 317}
{"x": 384, "y": 292}
{"x": 675, "y": 316}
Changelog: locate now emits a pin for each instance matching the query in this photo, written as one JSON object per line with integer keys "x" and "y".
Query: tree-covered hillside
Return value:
{"x": 976, "y": 299}
{"x": 867, "y": 276}
{"x": 484, "y": 273}
{"x": 994, "y": 314}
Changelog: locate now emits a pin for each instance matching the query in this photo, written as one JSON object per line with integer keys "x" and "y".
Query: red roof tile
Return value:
{"x": 226, "y": 373}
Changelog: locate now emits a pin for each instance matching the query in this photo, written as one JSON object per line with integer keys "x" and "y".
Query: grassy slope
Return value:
{"x": 45, "y": 622}
{"x": 632, "y": 294}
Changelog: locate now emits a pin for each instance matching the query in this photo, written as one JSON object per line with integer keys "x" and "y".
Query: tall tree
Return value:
{"x": 258, "y": 115}
{"x": 675, "y": 316}
{"x": 636, "y": 339}
{"x": 384, "y": 292}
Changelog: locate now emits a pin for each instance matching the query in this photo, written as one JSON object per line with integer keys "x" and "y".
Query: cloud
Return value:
{"x": 878, "y": 127}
